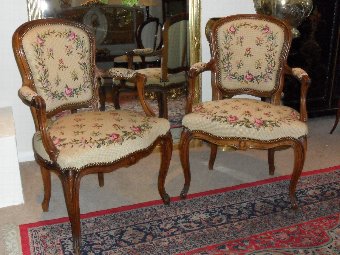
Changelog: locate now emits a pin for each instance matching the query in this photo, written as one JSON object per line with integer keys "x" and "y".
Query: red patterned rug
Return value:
{"x": 253, "y": 218}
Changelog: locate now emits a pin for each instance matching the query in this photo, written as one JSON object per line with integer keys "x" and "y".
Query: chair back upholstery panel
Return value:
{"x": 61, "y": 64}
{"x": 175, "y": 44}
{"x": 177, "y": 48}
{"x": 149, "y": 34}
{"x": 250, "y": 54}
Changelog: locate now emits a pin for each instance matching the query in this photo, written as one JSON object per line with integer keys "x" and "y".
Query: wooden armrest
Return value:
{"x": 32, "y": 99}
{"x": 194, "y": 71}
{"x": 138, "y": 79}
{"x": 305, "y": 82}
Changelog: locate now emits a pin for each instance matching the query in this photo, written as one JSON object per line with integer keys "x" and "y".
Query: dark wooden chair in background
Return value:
{"x": 149, "y": 42}
{"x": 172, "y": 74}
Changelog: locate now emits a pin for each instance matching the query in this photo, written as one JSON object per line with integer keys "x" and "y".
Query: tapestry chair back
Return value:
{"x": 60, "y": 63}
{"x": 250, "y": 56}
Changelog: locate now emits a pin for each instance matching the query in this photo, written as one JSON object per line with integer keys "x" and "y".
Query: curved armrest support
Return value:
{"x": 305, "y": 82}
{"x": 32, "y": 99}
{"x": 138, "y": 79}
{"x": 194, "y": 71}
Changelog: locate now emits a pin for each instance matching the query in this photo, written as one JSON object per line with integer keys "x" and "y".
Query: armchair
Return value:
{"x": 174, "y": 63}
{"x": 248, "y": 56}
{"x": 56, "y": 59}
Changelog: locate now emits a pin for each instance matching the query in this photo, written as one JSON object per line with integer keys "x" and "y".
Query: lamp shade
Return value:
{"x": 148, "y": 2}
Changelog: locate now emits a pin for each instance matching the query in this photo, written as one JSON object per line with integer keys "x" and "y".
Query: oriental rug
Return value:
{"x": 252, "y": 218}
{"x": 176, "y": 108}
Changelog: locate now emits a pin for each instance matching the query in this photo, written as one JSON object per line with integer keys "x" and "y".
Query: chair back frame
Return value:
{"x": 157, "y": 44}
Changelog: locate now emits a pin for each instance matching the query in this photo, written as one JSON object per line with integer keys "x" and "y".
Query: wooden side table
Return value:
{"x": 336, "y": 118}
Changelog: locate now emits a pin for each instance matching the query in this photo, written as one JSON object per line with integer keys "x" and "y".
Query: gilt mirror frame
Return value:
{"x": 34, "y": 9}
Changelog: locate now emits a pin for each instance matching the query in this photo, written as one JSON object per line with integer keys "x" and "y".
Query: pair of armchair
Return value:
{"x": 57, "y": 63}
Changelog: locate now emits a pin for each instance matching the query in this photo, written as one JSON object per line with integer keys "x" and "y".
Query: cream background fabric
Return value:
{"x": 246, "y": 118}
{"x": 88, "y": 138}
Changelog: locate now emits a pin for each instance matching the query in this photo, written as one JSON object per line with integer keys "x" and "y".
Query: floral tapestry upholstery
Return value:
{"x": 154, "y": 77}
{"x": 245, "y": 118}
{"x": 90, "y": 138}
{"x": 249, "y": 54}
{"x": 60, "y": 63}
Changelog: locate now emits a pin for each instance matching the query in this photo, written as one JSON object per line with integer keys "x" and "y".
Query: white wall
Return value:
{"x": 218, "y": 8}
{"x": 13, "y": 14}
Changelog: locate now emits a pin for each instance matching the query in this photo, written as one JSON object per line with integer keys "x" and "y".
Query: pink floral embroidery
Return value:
{"x": 56, "y": 141}
{"x": 232, "y": 119}
{"x": 114, "y": 137}
{"x": 68, "y": 91}
{"x": 249, "y": 77}
{"x": 136, "y": 129}
{"x": 266, "y": 29}
{"x": 232, "y": 29}
{"x": 40, "y": 41}
{"x": 258, "y": 122}
{"x": 72, "y": 36}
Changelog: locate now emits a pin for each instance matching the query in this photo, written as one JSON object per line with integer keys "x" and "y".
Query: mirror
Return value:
{"x": 129, "y": 18}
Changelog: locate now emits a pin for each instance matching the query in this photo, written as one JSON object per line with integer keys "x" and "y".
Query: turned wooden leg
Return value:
{"x": 336, "y": 118}
{"x": 46, "y": 177}
{"x": 102, "y": 98}
{"x": 271, "y": 164}
{"x": 299, "y": 159}
{"x": 101, "y": 179}
{"x": 160, "y": 104}
{"x": 165, "y": 105}
{"x": 184, "y": 157}
{"x": 115, "y": 95}
{"x": 166, "y": 153}
{"x": 71, "y": 182}
{"x": 213, "y": 153}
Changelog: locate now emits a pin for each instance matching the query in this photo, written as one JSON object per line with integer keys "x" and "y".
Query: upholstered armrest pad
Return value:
{"x": 121, "y": 73}
{"x": 142, "y": 52}
{"x": 147, "y": 52}
{"x": 198, "y": 68}
{"x": 27, "y": 94}
{"x": 299, "y": 73}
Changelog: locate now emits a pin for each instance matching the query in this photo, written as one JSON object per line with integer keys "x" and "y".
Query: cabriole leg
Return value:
{"x": 184, "y": 157}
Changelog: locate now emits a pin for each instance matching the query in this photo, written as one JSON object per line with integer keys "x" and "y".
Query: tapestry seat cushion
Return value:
{"x": 95, "y": 138}
{"x": 245, "y": 118}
